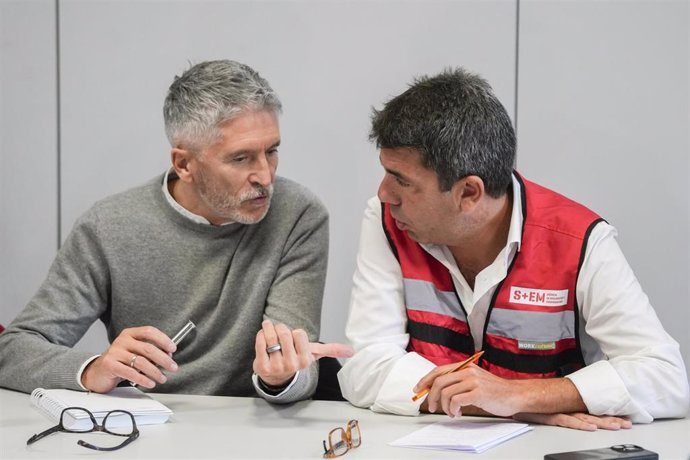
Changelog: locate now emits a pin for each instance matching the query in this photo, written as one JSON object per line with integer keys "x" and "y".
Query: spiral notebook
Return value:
{"x": 146, "y": 410}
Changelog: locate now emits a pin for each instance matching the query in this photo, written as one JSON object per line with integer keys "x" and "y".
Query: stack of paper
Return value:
{"x": 462, "y": 435}
{"x": 145, "y": 409}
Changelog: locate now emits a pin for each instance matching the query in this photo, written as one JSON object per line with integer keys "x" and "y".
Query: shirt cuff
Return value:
{"x": 81, "y": 371}
{"x": 395, "y": 395}
{"x": 262, "y": 389}
{"x": 604, "y": 392}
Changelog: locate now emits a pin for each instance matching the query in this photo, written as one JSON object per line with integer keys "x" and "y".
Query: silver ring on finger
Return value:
{"x": 273, "y": 348}
{"x": 132, "y": 361}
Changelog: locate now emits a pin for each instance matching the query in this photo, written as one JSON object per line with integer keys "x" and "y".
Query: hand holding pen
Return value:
{"x": 177, "y": 338}
{"x": 452, "y": 387}
{"x": 138, "y": 354}
{"x": 471, "y": 360}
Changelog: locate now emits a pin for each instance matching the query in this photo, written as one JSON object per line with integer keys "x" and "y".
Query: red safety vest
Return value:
{"x": 531, "y": 328}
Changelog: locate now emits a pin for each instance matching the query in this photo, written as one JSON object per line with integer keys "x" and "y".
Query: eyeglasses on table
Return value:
{"x": 116, "y": 422}
{"x": 340, "y": 440}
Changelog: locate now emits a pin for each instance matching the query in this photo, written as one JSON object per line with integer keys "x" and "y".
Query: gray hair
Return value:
{"x": 456, "y": 123}
{"x": 211, "y": 93}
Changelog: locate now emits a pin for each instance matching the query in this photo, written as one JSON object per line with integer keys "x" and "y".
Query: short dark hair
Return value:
{"x": 456, "y": 123}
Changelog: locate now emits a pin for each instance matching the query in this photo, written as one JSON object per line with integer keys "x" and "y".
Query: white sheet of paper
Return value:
{"x": 462, "y": 435}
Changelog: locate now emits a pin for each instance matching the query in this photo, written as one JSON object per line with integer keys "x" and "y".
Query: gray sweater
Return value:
{"x": 132, "y": 260}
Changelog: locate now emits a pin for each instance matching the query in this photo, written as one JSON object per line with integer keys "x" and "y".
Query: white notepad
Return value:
{"x": 462, "y": 435}
{"x": 146, "y": 410}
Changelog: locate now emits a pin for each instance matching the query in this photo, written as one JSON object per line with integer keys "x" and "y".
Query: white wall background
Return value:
{"x": 601, "y": 89}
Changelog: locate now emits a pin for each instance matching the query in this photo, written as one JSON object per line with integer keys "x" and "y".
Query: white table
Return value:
{"x": 246, "y": 428}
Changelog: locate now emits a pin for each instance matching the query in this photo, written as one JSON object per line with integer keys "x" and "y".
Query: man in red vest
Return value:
{"x": 459, "y": 253}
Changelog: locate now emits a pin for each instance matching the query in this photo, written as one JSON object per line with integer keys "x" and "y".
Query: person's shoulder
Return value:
{"x": 297, "y": 196}
{"x": 374, "y": 203}
{"x": 126, "y": 204}
{"x": 542, "y": 197}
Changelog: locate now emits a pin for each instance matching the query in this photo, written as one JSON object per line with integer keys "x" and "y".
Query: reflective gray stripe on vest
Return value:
{"x": 423, "y": 295}
{"x": 534, "y": 326}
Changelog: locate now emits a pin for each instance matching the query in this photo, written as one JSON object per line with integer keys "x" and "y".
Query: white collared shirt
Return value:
{"x": 622, "y": 340}
{"x": 169, "y": 176}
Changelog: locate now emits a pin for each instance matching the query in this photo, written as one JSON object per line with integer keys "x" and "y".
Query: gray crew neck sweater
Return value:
{"x": 132, "y": 260}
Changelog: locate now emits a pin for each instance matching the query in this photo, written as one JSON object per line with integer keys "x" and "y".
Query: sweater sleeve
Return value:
{"x": 36, "y": 349}
{"x": 296, "y": 294}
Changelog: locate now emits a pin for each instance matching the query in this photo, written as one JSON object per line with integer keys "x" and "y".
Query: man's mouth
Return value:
{"x": 399, "y": 223}
{"x": 258, "y": 200}
{"x": 260, "y": 197}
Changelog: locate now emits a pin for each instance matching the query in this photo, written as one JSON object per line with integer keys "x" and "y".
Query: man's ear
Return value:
{"x": 181, "y": 162}
{"x": 468, "y": 192}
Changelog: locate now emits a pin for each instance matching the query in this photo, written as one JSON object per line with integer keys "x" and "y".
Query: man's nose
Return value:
{"x": 263, "y": 172}
{"x": 385, "y": 194}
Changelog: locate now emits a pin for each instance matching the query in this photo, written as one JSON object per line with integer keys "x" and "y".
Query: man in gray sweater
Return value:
{"x": 218, "y": 239}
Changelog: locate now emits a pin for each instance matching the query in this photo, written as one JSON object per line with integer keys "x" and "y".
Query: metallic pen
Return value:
{"x": 179, "y": 337}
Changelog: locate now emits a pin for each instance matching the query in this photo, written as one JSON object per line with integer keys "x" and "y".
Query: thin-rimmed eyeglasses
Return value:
{"x": 342, "y": 440}
{"x": 116, "y": 422}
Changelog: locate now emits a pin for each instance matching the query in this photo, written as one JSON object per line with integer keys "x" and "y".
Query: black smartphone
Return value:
{"x": 627, "y": 451}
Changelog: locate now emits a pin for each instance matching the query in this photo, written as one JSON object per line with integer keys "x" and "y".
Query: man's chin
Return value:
{"x": 254, "y": 217}
{"x": 415, "y": 237}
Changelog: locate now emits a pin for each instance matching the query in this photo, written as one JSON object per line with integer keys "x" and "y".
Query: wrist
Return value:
{"x": 526, "y": 395}
{"x": 547, "y": 396}
{"x": 84, "y": 376}
{"x": 90, "y": 378}
{"x": 273, "y": 389}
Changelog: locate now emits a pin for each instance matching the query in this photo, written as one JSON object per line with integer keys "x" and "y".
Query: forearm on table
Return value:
{"x": 539, "y": 396}
{"x": 546, "y": 396}
{"x": 381, "y": 377}
{"x": 29, "y": 362}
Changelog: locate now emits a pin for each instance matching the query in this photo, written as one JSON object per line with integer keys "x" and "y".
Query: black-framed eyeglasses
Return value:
{"x": 80, "y": 420}
{"x": 342, "y": 440}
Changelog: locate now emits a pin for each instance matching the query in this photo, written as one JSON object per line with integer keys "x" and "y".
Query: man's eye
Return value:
{"x": 401, "y": 182}
{"x": 272, "y": 152}
{"x": 239, "y": 159}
